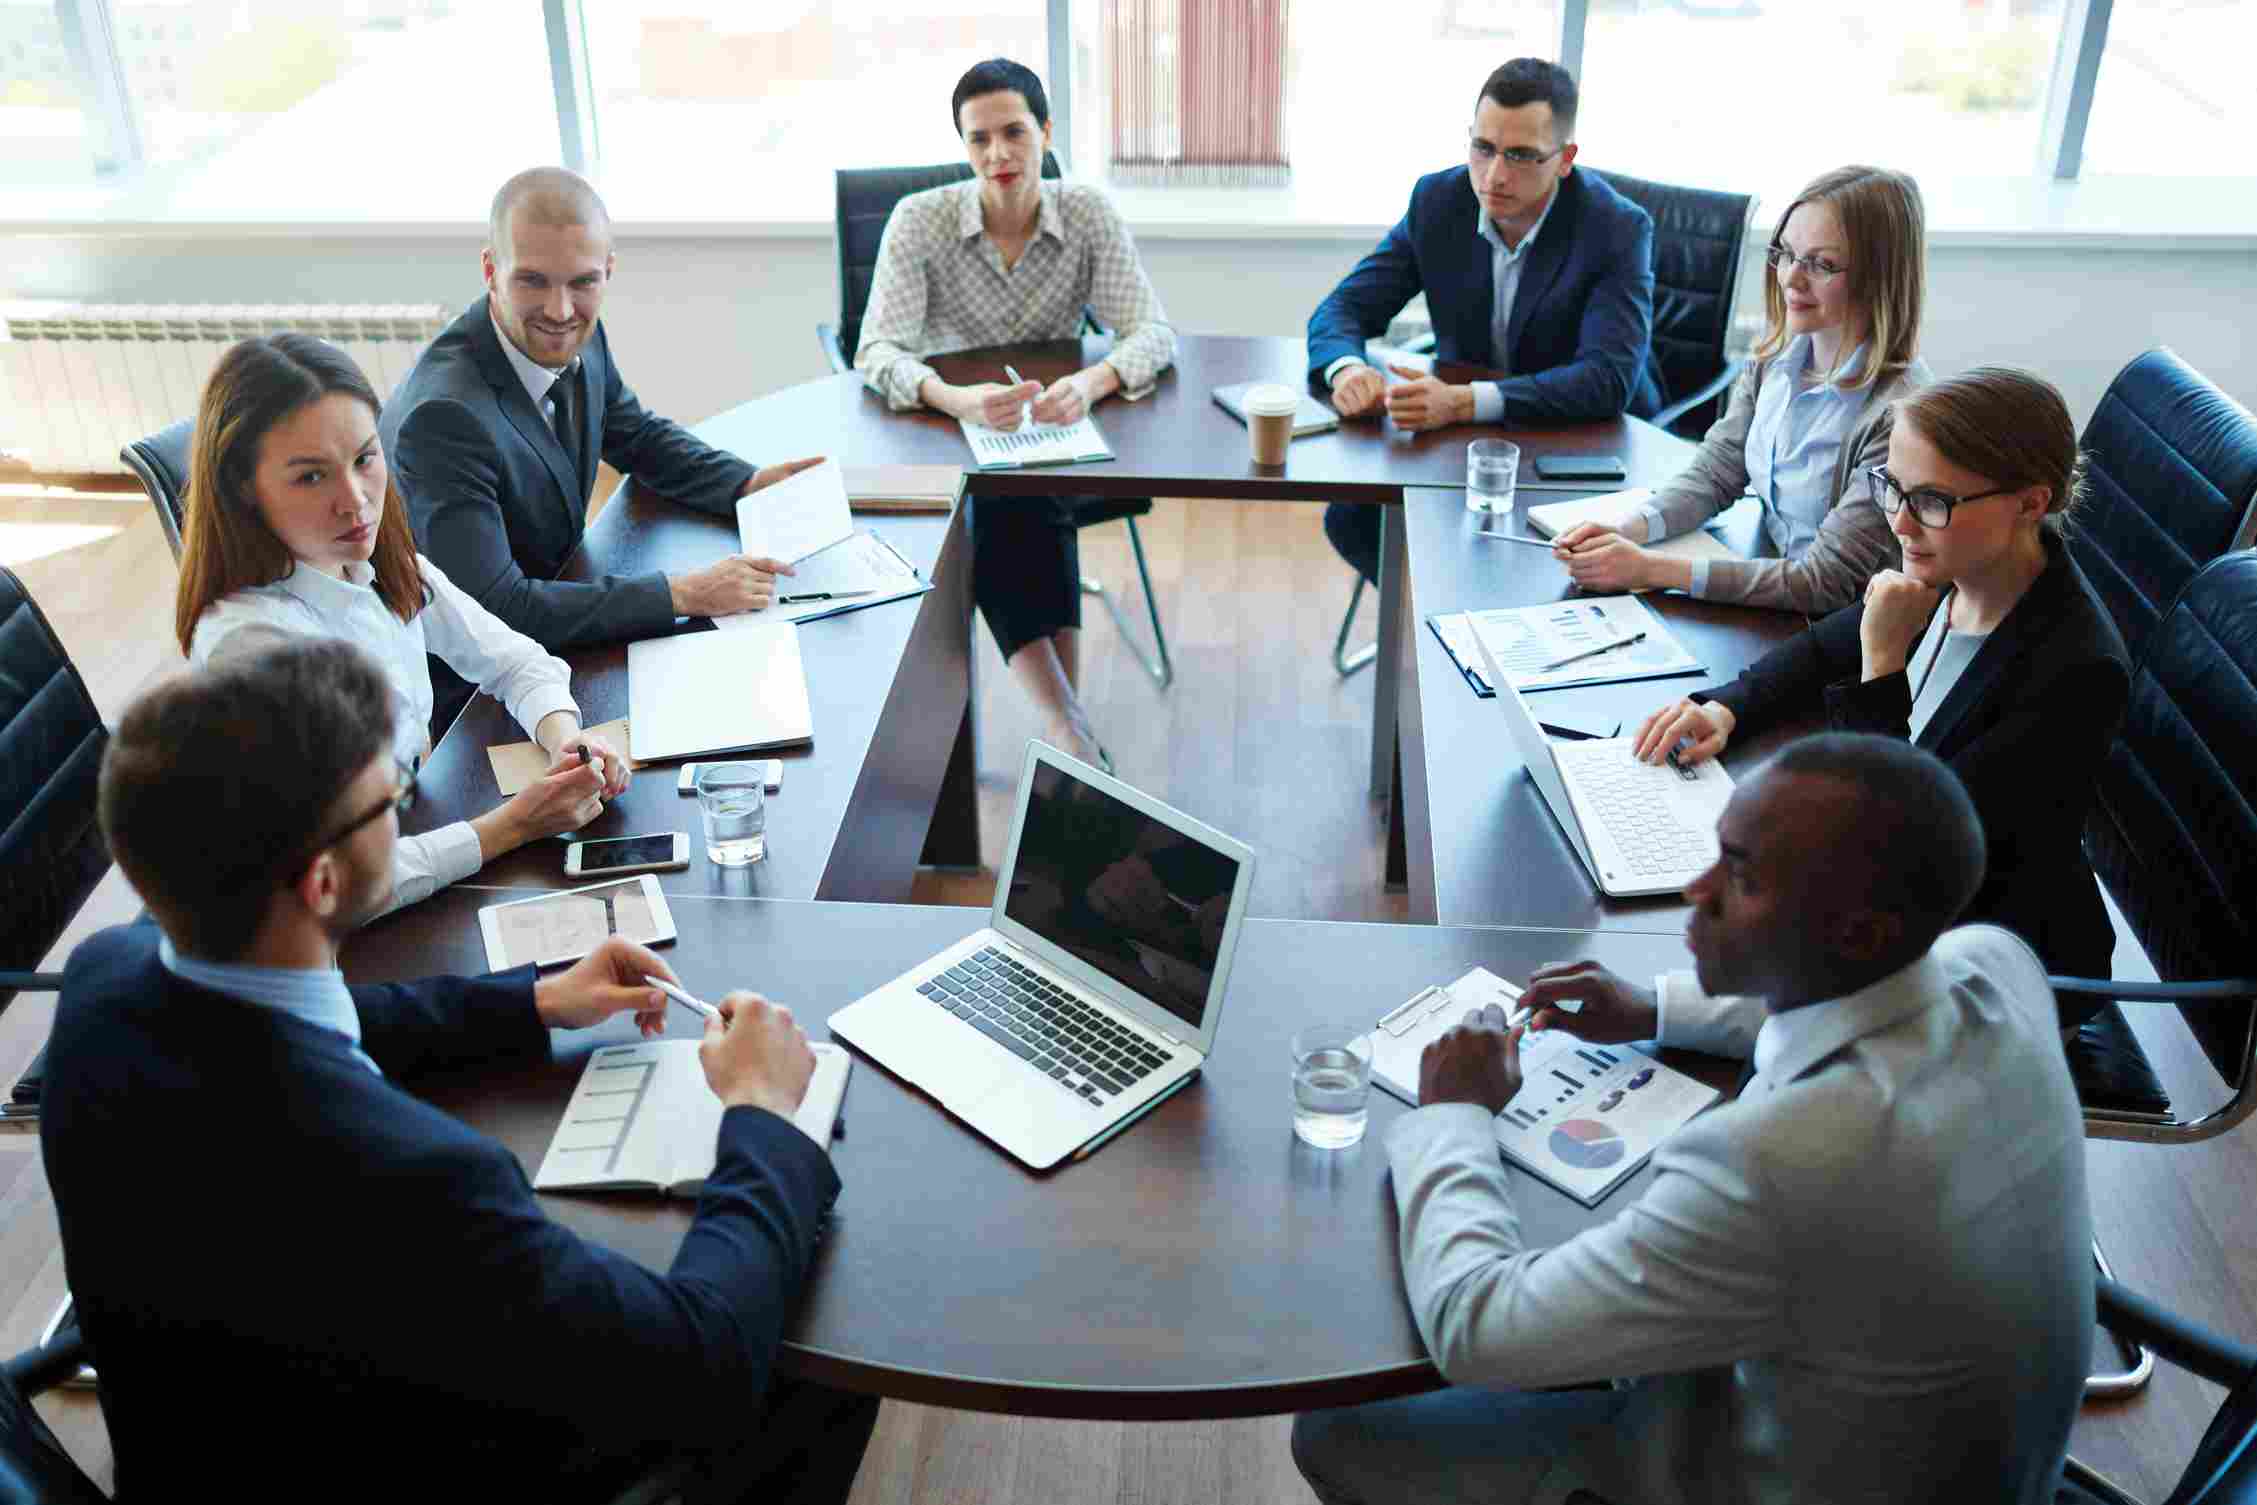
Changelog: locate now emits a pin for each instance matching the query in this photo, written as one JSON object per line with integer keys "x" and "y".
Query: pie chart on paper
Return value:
{"x": 1586, "y": 1144}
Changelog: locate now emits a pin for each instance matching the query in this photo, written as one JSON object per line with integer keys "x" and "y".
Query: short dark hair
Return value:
{"x": 1911, "y": 824}
{"x": 550, "y": 196}
{"x": 218, "y": 777}
{"x": 1532, "y": 80}
{"x": 993, "y": 77}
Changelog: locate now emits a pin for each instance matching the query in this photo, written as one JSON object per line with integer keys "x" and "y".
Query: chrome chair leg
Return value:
{"x": 1157, "y": 665}
{"x": 1344, "y": 661}
{"x": 2110, "y": 1384}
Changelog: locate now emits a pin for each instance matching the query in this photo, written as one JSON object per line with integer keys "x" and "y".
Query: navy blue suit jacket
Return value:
{"x": 497, "y": 505}
{"x": 297, "y": 1278}
{"x": 1581, "y": 333}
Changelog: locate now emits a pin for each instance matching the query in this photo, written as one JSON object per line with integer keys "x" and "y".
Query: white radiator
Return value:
{"x": 78, "y": 381}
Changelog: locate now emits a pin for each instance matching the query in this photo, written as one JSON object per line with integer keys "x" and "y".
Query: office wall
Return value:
{"x": 702, "y": 323}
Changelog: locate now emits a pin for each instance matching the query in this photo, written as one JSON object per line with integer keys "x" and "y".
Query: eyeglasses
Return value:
{"x": 1931, "y": 507}
{"x": 402, "y": 799}
{"x": 1519, "y": 157}
{"x": 1817, "y": 268}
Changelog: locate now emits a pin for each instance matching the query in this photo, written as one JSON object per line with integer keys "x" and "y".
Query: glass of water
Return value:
{"x": 1492, "y": 476}
{"x": 1331, "y": 1085}
{"x": 734, "y": 799}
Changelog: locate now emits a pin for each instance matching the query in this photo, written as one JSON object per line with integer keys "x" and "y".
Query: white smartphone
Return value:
{"x": 616, "y": 856}
{"x": 772, "y": 775}
{"x": 563, "y": 927}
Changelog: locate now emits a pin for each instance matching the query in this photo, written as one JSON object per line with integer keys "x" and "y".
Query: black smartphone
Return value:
{"x": 1580, "y": 468}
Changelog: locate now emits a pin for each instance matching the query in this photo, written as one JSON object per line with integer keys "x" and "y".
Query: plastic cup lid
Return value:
{"x": 1272, "y": 400}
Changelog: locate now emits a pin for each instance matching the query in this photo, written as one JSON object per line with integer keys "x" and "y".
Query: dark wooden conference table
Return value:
{"x": 1204, "y": 1263}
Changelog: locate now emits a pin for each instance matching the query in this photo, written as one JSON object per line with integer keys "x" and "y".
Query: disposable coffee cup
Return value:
{"x": 1269, "y": 421}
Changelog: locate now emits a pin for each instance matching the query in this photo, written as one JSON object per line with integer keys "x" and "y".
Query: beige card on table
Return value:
{"x": 517, "y": 764}
{"x": 902, "y": 488}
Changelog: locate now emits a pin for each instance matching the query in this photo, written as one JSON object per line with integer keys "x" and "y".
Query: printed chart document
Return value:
{"x": 797, "y": 516}
{"x": 1586, "y": 1116}
{"x": 643, "y": 1119}
{"x": 1617, "y": 508}
{"x": 1525, "y": 639}
{"x": 862, "y": 570}
{"x": 1034, "y": 443}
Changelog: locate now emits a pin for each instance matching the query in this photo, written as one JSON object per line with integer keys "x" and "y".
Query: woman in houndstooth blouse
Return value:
{"x": 1005, "y": 258}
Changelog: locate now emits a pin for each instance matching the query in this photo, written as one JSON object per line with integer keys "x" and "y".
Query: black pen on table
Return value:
{"x": 822, "y": 596}
{"x": 1561, "y": 663}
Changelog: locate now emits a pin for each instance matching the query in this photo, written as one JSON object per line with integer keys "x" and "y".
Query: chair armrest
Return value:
{"x": 31, "y": 982}
{"x": 2210, "y": 990}
{"x": 828, "y": 337}
{"x": 48, "y": 1365}
{"x": 1719, "y": 383}
{"x": 2189, "y": 1345}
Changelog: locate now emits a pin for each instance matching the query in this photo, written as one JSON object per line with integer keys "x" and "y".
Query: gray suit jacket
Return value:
{"x": 1868, "y": 1279}
{"x": 496, "y": 504}
{"x": 1854, "y": 542}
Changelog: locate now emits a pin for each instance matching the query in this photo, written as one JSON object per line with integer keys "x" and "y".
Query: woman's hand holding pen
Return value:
{"x": 1603, "y": 558}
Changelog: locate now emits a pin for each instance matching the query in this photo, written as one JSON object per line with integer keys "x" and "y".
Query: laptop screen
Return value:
{"x": 1120, "y": 891}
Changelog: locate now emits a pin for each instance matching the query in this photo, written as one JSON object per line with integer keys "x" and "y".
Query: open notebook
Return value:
{"x": 1616, "y": 508}
{"x": 643, "y": 1119}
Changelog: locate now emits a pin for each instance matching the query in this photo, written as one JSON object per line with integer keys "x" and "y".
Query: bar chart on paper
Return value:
{"x": 1587, "y": 1115}
{"x": 1035, "y": 444}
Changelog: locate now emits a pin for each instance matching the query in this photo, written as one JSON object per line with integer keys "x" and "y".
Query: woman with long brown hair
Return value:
{"x": 1808, "y": 414}
{"x": 294, "y": 527}
{"x": 1986, "y": 646}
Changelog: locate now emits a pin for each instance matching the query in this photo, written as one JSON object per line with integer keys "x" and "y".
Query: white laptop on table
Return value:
{"x": 1096, "y": 987}
{"x": 698, "y": 693}
{"x": 1639, "y": 828}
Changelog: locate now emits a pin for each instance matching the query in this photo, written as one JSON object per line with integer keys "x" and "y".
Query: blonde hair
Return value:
{"x": 2007, "y": 425}
{"x": 226, "y": 545}
{"x": 1886, "y": 226}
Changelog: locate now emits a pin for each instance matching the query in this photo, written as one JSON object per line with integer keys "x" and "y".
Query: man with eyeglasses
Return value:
{"x": 1529, "y": 268}
{"x": 256, "y": 1211}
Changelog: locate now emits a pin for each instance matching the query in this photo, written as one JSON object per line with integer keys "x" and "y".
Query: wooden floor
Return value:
{"x": 1258, "y": 737}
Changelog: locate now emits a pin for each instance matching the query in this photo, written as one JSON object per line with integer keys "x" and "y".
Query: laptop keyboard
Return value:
{"x": 1044, "y": 1025}
{"x": 1631, "y": 799}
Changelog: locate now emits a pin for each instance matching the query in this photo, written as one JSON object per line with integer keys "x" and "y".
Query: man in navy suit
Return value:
{"x": 495, "y": 435}
{"x": 297, "y": 1278}
{"x": 1528, "y": 269}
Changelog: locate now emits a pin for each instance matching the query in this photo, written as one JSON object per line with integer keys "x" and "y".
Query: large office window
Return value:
{"x": 1762, "y": 96}
{"x": 733, "y": 106}
{"x": 2174, "y": 96}
{"x": 44, "y": 130}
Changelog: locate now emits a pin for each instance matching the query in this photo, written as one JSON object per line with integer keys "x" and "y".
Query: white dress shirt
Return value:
{"x": 538, "y": 380}
{"x": 469, "y": 639}
{"x": 315, "y": 995}
{"x": 940, "y": 284}
{"x": 1505, "y": 266}
{"x": 1869, "y": 1277}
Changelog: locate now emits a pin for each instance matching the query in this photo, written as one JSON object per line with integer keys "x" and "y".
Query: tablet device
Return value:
{"x": 551, "y": 929}
{"x": 1580, "y": 467}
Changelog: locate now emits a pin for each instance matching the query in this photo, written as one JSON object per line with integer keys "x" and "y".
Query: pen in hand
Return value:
{"x": 1561, "y": 663}
{"x": 694, "y": 1005}
{"x": 1026, "y": 410}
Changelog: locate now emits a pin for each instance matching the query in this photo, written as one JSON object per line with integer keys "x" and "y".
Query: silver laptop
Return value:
{"x": 1640, "y": 829}
{"x": 1095, "y": 989}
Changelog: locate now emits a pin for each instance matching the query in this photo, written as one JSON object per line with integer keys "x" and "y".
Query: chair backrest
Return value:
{"x": 51, "y": 741}
{"x": 34, "y": 1469}
{"x": 160, "y": 462}
{"x": 1698, "y": 237}
{"x": 2172, "y": 465}
{"x": 2173, "y": 828}
{"x": 866, "y": 196}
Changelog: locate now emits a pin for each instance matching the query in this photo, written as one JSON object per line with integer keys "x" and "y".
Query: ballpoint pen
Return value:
{"x": 695, "y": 1005}
{"x": 823, "y": 596}
{"x": 1536, "y": 543}
{"x": 574, "y": 835}
{"x": 1561, "y": 663}
{"x": 1026, "y": 410}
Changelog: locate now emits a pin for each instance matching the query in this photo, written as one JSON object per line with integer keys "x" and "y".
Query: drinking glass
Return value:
{"x": 1492, "y": 476}
{"x": 1331, "y": 1086}
{"x": 734, "y": 799}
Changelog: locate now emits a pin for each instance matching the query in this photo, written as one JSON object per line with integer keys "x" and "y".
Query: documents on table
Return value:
{"x": 1034, "y": 443}
{"x": 861, "y": 570}
{"x": 1525, "y": 639}
{"x": 519, "y": 764}
{"x": 902, "y": 488}
{"x": 644, "y": 1119}
{"x": 1586, "y": 1116}
{"x": 796, "y": 516}
{"x": 1615, "y": 509}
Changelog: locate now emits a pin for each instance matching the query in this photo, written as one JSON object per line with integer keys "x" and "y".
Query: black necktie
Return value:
{"x": 567, "y": 419}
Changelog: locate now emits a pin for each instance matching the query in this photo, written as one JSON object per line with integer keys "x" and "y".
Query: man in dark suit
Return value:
{"x": 297, "y": 1278}
{"x": 1527, "y": 267}
{"x": 495, "y": 435}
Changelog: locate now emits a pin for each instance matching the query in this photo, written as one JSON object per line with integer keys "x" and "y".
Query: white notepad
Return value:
{"x": 797, "y": 516}
{"x": 1035, "y": 444}
{"x": 1615, "y": 509}
{"x": 860, "y": 571}
{"x": 644, "y": 1119}
{"x": 710, "y": 692}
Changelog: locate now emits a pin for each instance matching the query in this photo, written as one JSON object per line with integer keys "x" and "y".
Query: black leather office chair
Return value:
{"x": 160, "y": 463}
{"x": 34, "y": 1469}
{"x": 2171, "y": 485}
{"x": 866, "y": 197}
{"x": 2223, "y": 1470}
{"x": 2173, "y": 835}
{"x": 1699, "y": 234}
